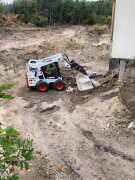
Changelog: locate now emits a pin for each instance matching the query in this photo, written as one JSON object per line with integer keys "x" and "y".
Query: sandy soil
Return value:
{"x": 77, "y": 136}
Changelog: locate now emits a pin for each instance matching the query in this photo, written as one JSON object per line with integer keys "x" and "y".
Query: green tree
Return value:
{"x": 8, "y": 8}
{"x": 25, "y": 8}
{"x": 51, "y": 12}
{"x": 1, "y": 8}
{"x": 39, "y": 20}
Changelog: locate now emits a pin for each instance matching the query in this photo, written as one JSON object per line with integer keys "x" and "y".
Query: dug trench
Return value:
{"x": 76, "y": 135}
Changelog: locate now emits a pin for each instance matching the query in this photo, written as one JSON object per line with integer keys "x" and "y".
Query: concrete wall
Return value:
{"x": 123, "y": 43}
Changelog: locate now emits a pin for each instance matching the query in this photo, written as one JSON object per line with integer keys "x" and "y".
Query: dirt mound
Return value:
{"x": 107, "y": 77}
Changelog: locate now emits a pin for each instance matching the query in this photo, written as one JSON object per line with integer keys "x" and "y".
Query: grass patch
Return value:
{"x": 132, "y": 62}
{"x": 98, "y": 28}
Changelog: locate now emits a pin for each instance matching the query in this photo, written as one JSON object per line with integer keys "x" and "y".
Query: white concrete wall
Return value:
{"x": 123, "y": 44}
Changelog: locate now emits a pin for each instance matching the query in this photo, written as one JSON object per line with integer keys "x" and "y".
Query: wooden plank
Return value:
{"x": 113, "y": 18}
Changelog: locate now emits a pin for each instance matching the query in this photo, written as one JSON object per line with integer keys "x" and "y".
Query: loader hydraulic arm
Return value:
{"x": 35, "y": 65}
{"x": 72, "y": 64}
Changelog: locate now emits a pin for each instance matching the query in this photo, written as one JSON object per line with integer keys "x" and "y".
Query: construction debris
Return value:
{"x": 92, "y": 81}
{"x": 10, "y": 20}
{"x": 108, "y": 76}
{"x": 108, "y": 125}
{"x": 91, "y": 74}
{"x": 95, "y": 83}
{"x": 84, "y": 83}
{"x": 131, "y": 125}
{"x": 70, "y": 90}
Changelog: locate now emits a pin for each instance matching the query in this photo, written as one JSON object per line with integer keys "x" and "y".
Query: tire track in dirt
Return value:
{"x": 50, "y": 110}
{"x": 98, "y": 145}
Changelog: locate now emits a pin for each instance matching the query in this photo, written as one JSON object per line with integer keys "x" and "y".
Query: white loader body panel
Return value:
{"x": 123, "y": 40}
{"x": 35, "y": 66}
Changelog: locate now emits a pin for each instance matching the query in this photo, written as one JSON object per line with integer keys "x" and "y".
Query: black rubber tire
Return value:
{"x": 59, "y": 85}
{"x": 42, "y": 86}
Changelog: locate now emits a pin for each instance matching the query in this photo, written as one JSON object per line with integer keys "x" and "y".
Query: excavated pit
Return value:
{"x": 87, "y": 50}
{"x": 71, "y": 135}
{"x": 17, "y": 47}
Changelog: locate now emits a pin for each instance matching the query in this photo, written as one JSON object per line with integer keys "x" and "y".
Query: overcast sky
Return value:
{"x": 9, "y": 1}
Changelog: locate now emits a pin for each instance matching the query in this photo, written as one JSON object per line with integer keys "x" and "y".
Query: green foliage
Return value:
{"x": 39, "y": 20}
{"x": 52, "y": 12}
{"x": 99, "y": 28}
{"x": 1, "y": 8}
{"x": 25, "y": 9}
{"x": 132, "y": 62}
{"x": 3, "y": 95}
{"x": 13, "y": 153}
{"x": 1, "y": 12}
{"x": 109, "y": 20}
{"x": 1, "y": 23}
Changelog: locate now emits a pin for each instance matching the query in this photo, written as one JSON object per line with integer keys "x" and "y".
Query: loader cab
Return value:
{"x": 51, "y": 71}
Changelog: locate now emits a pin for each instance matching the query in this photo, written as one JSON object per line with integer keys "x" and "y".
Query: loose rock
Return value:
{"x": 131, "y": 125}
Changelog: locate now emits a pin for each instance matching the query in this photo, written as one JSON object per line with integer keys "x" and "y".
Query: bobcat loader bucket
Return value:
{"x": 82, "y": 78}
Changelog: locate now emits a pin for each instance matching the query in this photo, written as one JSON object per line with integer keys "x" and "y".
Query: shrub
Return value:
{"x": 109, "y": 20}
{"x": 13, "y": 153}
{"x": 39, "y": 20}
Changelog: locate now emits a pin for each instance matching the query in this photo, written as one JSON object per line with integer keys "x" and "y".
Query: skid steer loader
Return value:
{"x": 45, "y": 72}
